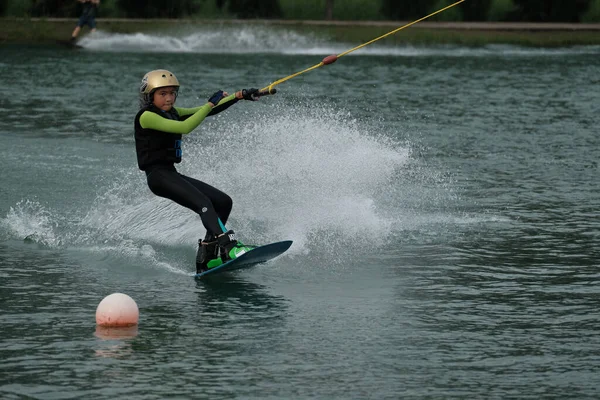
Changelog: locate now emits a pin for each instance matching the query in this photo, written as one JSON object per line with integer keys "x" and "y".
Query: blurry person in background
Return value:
{"x": 87, "y": 17}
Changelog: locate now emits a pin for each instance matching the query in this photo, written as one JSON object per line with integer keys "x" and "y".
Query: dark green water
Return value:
{"x": 443, "y": 204}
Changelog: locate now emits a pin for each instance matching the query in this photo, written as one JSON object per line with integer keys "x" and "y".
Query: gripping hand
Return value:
{"x": 250, "y": 94}
{"x": 216, "y": 97}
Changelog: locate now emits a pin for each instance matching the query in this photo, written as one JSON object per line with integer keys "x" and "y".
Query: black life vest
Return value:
{"x": 155, "y": 147}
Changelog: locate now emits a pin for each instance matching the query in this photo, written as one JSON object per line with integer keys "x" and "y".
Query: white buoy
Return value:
{"x": 116, "y": 310}
{"x": 116, "y": 332}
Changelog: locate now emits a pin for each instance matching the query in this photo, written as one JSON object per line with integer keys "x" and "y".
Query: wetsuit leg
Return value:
{"x": 221, "y": 201}
{"x": 168, "y": 183}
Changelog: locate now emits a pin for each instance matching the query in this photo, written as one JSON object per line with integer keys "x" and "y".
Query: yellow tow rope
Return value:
{"x": 333, "y": 58}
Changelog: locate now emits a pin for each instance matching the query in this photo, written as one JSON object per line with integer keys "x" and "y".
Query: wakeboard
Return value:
{"x": 70, "y": 44}
{"x": 255, "y": 256}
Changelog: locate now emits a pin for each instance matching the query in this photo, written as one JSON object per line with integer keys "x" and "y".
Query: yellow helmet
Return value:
{"x": 157, "y": 79}
{"x": 154, "y": 80}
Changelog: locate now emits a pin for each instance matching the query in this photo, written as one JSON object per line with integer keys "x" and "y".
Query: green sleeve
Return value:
{"x": 187, "y": 111}
{"x": 150, "y": 120}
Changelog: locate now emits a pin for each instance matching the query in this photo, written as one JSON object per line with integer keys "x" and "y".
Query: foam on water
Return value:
{"x": 292, "y": 176}
{"x": 259, "y": 39}
{"x": 313, "y": 175}
{"x": 224, "y": 40}
{"x": 30, "y": 219}
{"x": 301, "y": 173}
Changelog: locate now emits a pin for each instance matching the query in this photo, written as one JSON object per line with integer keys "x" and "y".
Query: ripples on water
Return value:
{"x": 442, "y": 202}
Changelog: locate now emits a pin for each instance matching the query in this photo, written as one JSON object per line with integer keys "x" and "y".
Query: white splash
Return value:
{"x": 278, "y": 40}
{"x": 300, "y": 175}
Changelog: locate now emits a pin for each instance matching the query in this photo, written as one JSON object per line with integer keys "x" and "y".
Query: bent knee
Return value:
{"x": 227, "y": 201}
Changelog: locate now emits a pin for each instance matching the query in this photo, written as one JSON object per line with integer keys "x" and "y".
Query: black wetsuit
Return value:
{"x": 88, "y": 15}
{"x": 158, "y": 146}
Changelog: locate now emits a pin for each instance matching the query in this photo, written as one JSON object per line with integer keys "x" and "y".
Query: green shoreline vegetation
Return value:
{"x": 41, "y": 31}
{"x": 348, "y": 21}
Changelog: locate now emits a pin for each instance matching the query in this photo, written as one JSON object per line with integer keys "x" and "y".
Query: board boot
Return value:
{"x": 207, "y": 251}
{"x": 230, "y": 248}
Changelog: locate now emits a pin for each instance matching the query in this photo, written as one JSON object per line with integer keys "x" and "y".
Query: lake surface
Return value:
{"x": 443, "y": 203}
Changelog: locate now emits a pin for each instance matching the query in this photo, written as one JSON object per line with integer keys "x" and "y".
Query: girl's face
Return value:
{"x": 164, "y": 98}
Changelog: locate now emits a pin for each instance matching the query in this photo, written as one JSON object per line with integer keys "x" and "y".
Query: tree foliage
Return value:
{"x": 255, "y": 8}
{"x": 593, "y": 12}
{"x": 524, "y": 10}
{"x": 52, "y": 8}
{"x": 406, "y": 10}
{"x": 475, "y": 10}
{"x": 499, "y": 9}
{"x": 549, "y": 10}
{"x": 158, "y": 8}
